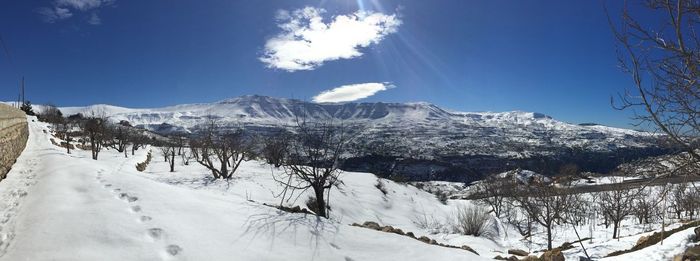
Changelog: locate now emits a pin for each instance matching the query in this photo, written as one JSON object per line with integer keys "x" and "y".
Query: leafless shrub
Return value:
{"x": 430, "y": 223}
{"x": 475, "y": 221}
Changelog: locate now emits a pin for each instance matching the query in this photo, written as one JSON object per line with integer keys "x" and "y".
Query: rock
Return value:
{"x": 697, "y": 234}
{"x": 465, "y": 247}
{"x": 433, "y": 242}
{"x": 424, "y": 239}
{"x": 372, "y": 225}
{"x": 552, "y": 255}
{"x": 642, "y": 240}
{"x": 692, "y": 253}
{"x": 387, "y": 229}
{"x": 410, "y": 234}
{"x": 517, "y": 252}
{"x": 530, "y": 258}
{"x": 500, "y": 258}
{"x": 397, "y": 231}
{"x": 356, "y": 225}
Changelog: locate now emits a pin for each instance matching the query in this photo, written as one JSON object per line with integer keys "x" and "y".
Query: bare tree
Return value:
{"x": 222, "y": 154}
{"x": 545, "y": 205}
{"x": 496, "y": 191}
{"x": 275, "y": 148}
{"x": 122, "y": 136}
{"x": 663, "y": 62}
{"x": 314, "y": 160}
{"x": 645, "y": 206}
{"x": 95, "y": 127}
{"x": 617, "y": 204}
{"x": 51, "y": 114}
{"x": 186, "y": 155}
{"x": 65, "y": 129}
{"x": 138, "y": 140}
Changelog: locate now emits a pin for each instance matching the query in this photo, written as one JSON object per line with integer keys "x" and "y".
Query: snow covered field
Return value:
{"x": 58, "y": 206}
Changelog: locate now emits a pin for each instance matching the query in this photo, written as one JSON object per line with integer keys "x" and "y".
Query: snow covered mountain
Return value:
{"x": 419, "y": 130}
{"x": 472, "y": 132}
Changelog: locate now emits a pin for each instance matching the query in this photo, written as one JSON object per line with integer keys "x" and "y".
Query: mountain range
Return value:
{"x": 421, "y": 132}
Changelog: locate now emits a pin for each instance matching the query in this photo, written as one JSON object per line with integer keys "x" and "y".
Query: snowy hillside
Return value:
{"x": 70, "y": 207}
{"x": 418, "y": 124}
{"x": 59, "y": 206}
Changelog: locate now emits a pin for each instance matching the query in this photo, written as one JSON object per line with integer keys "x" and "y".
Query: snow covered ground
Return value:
{"x": 58, "y": 206}
{"x": 70, "y": 207}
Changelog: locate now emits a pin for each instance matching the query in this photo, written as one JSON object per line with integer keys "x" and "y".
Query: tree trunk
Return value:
{"x": 615, "y": 226}
{"x": 172, "y": 161}
{"x": 320, "y": 202}
{"x": 549, "y": 237}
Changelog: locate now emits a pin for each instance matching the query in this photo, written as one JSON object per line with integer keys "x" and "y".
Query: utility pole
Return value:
{"x": 23, "y": 90}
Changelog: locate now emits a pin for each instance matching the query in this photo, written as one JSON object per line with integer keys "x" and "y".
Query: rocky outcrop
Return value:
{"x": 13, "y": 136}
{"x": 398, "y": 231}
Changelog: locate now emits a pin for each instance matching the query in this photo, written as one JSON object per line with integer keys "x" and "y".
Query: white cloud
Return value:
{"x": 306, "y": 41}
{"x": 53, "y": 14}
{"x": 82, "y": 5}
{"x": 352, "y": 92}
{"x": 64, "y": 9}
{"x": 94, "y": 19}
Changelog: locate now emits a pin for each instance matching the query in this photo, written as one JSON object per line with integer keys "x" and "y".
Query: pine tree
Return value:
{"x": 27, "y": 108}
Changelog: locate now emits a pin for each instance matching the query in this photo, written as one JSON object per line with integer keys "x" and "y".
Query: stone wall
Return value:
{"x": 13, "y": 136}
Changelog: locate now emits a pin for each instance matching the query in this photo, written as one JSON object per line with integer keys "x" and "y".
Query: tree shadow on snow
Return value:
{"x": 283, "y": 225}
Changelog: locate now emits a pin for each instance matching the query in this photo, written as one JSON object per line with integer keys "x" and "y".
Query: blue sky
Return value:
{"x": 554, "y": 57}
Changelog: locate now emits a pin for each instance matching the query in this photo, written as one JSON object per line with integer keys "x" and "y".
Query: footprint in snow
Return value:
{"x": 155, "y": 233}
{"x": 136, "y": 208}
{"x": 108, "y": 185}
{"x": 145, "y": 218}
{"x": 126, "y": 197}
{"x": 173, "y": 250}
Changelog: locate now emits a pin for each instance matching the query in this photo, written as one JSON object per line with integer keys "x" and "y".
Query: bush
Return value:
{"x": 475, "y": 221}
{"x": 430, "y": 223}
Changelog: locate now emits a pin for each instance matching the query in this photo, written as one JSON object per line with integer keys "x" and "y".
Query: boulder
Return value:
{"x": 530, "y": 258}
{"x": 371, "y": 225}
{"x": 642, "y": 240}
{"x": 517, "y": 252}
{"x": 424, "y": 239}
{"x": 692, "y": 253}
{"x": 552, "y": 255}
{"x": 410, "y": 234}
{"x": 387, "y": 229}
